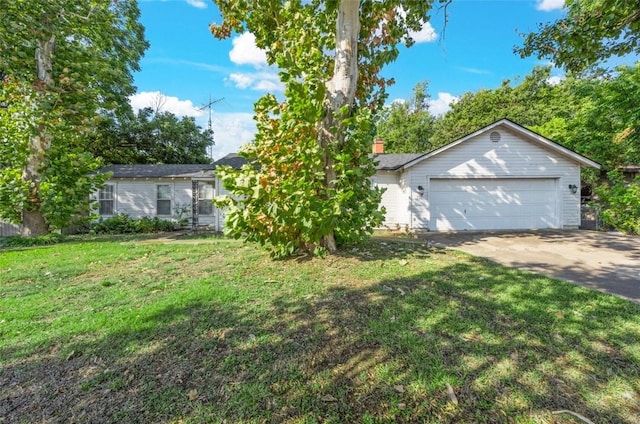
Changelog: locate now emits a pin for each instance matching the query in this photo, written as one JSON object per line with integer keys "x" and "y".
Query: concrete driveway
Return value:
{"x": 607, "y": 262}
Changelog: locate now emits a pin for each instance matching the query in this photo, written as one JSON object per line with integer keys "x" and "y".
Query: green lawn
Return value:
{"x": 195, "y": 330}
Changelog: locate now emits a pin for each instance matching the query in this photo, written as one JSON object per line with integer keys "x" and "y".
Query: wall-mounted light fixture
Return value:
{"x": 573, "y": 188}
{"x": 420, "y": 190}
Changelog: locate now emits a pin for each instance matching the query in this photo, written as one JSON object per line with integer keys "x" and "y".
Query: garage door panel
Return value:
{"x": 493, "y": 204}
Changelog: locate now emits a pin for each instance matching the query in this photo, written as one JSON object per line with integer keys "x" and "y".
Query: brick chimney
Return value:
{"x": 378, "y": 146}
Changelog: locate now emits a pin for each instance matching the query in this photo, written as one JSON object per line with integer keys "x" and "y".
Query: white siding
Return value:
{"x": 137, "y": 198}
{"x": 511, "y": 157}
{"x": 391, "y": 197}
{"x": 395, "y": 199}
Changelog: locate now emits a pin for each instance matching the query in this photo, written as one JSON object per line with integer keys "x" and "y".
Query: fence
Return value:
{"x": 591, "y": 217}
{"x": 7, "y": 229}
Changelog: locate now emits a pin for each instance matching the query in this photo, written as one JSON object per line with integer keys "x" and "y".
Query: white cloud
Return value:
{"x": 200, "y": 4}
{"x": 442, "y": 104}
{"x": 425, "y": 35}
{"x": 242, "y": 80}
{"x": 398, "y": 101}
{"x": 556, "y": 79}
{"x": 245, "y": 51}
{"x": 549, "y": 5}
{"x": 258, "y": 81}
{"x": 231, "y": 131}
{"x": 165, "y": 103}
{"x": 268, "y": 85}
{"x": 474, "y": 70}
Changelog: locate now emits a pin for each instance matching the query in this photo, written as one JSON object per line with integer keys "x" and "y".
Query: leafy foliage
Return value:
{"x": 65, "y": 178}
{"x": 284, "y": 203}
{"x": 407, "y": 127}
{"x": 607, "y": 126}
{"x": 532, "y": 102}
{"x": 621, "y": 201}
{"x": 307, "y": 181}
{"x": 61, "y": 62}
{"x": 124, "y": 224}
{"x": 17, "y": 241}
{"x": 591, "y": 32}
{"x": 150, "y": 137}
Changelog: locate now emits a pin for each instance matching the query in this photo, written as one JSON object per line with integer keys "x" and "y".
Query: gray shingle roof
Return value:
{"x": 384, "y": 162}
{"x": 393, "y": 161}
{"x": 160, "y": 171}
{"x": 232, "y": 160}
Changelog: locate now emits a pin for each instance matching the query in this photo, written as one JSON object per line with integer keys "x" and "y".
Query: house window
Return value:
{"x": 205, "y": 198}
{"x": 106, "y": 200}
{"x": 163, "y": 200}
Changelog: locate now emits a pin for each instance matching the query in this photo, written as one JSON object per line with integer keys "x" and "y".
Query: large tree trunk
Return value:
{"x": 340, "y": 92}
{"x": 33, "y": 222}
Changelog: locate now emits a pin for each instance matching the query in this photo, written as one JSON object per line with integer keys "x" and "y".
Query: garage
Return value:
{"x": 493, "y": 204}
{"x": 501, "y": 177}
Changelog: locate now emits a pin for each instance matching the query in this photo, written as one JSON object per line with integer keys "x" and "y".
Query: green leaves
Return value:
{"x": 622, "y": 203}
{"x": 307, "y": 182}
{"x": 531, "y": 102}
{"x": 591, "y": 32}
{"x": 407, "y": 127}
{"x": 64, "y": 62}
{"x": 151, "y": 137}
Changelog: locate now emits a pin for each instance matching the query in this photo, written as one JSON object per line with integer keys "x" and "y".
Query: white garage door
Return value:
{"x": 493, "y": 204}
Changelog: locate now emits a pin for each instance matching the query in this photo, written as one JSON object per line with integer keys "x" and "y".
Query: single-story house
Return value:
{"x": 170, "y": 192}
{"x": 501, "y": 177}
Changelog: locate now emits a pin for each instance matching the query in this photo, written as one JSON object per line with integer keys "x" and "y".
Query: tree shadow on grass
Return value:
{"x": 511, "y": 346}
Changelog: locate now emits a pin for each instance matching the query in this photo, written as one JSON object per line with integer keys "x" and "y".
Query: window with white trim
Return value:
{"x": 205, "y": 197}
{"x": 163, "y": 199}
{"x": 106, "y": 200}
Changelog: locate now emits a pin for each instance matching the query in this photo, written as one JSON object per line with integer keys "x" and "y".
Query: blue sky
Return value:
{"x": 188, "y": 66}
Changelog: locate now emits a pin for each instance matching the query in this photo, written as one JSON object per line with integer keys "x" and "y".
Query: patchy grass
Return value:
{"x": 191, "y": 330}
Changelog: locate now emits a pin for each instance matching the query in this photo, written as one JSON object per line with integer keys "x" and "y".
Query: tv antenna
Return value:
{"x": 209, "y": 106}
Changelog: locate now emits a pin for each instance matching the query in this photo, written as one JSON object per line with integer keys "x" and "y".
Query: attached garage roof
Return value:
{"x": 520, "y": 130}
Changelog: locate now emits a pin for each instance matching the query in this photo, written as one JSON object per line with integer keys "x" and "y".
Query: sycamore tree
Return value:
{"x": 62, "y": 61}
{"x": 307, "y": 183}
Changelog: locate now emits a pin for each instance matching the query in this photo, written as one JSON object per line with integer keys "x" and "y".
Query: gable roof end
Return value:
{"x": 519, "y": 129}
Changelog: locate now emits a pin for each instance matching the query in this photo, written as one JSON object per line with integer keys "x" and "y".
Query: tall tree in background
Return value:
{"x": 534, "y": 101}
{"x": 63, "y": 61}
{"x": 407, "y": 127}
{"x": 606, "y": 128}
{"x": 151, "y": 136}
{"x": 591, "y": 32}
{"x": 307, "y": 185}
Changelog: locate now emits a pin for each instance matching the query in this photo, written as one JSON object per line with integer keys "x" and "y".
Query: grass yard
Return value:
{"x": 209, "y": 330}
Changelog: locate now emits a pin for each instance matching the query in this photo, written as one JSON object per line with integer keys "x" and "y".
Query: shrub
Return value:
{"x": 124, "y": 224}
{"x": 17, "y": 241}
{"x": 621, "y": 201}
